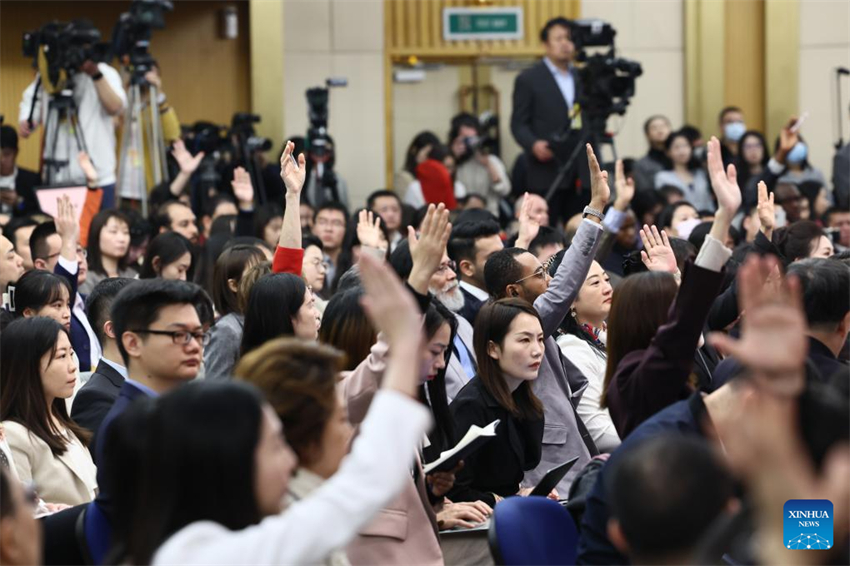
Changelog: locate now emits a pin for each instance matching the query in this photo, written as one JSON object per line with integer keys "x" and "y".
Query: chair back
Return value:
{"x": 532, "y": 530}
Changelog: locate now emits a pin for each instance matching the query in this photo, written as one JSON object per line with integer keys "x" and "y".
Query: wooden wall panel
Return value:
{"x": 205, "y": 77}
{"x": 415, "y": 27}
{"x": 744, "y": 78}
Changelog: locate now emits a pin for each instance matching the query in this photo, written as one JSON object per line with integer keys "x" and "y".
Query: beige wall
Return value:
{"x": 651, "y": 32}
{"x": 824, "y": 45}
{"x": 325, "y": 38}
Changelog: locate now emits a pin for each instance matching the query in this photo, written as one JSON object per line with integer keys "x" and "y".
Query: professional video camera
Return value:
{"x": 241, "y": 125}
{"x": 608, "y": 81}
{"x": 318, "y": 141}
{"x": 59, "y": 49}
{"x": 488, "y": 141}
{"x": 132, "y": 33}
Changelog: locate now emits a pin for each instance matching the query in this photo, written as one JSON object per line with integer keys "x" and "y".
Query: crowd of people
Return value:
{"x": 237, "y": 379}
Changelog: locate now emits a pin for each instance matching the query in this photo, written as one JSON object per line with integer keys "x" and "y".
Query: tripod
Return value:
{"x": 61, "y": 109}
{"x": 132, "y": 182}
{"x": 593, "y": 131}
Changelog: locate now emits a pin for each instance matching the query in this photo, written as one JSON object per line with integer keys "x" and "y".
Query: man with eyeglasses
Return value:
{"x": 329, "y": 225}
{"x": 515, "y": 272}
{"x": 55, "y": 246}
{"x": 160, "y": 328}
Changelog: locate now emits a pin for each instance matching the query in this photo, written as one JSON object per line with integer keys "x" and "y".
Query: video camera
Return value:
{"x": 241, "y": 126}
{"x": 318, "y": 139}
{"x": 608, "y": 81}
{"x": 65, "y": 46}
{"x": 132, "y": 33}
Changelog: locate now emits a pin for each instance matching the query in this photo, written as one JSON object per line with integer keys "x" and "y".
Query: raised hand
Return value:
{"x": 88, "y": 168}
{"x": 66, "y": 220}
{"x": 625, "y": 188}
{"x": 657, "y": 253}
{"x": 369, "y": 230}
{"x": 293, "y": 176}
{"x": 787, "y": 140}
{"x": 528, "y": 226}
{"x": 724, "y": 183}
{"x": 427, "y": 250}
{"x": 187, "y": 162}
{"x": 242, "y": 188}
{"x": 766, "y": 210}
{"x": 599, "y": 190}
{"x": 773, "y": 343}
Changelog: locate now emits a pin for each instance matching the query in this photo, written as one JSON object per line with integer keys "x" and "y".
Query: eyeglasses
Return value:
{"x": 80, "y": 252}
{"x": 323, "y": 263}
{"x": 541, "y": 272}
{"x": 179, "y": 337}
{"x": 332, "y": 223}
{"x": 448, "y": 265}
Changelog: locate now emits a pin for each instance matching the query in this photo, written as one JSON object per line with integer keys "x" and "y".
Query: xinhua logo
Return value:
{"x": 808, "y": 524}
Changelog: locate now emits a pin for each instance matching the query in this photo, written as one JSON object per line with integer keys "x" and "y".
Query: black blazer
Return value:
{"x": 96, "y": 397}
{"x": 541, "y": 113}
{"x": 471, "y": 306}
{"x": 25, "y": 183}
{"x": 498, "y": 466}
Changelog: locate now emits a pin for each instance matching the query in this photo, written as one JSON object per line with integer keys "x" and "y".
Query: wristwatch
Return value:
{"x": 593, "y": 212}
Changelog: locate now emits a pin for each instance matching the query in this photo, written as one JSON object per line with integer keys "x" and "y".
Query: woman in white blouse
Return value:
{"x": 582, "y": 341}
{"x": 37, "y": 374}
{"x": 216, "y": 466}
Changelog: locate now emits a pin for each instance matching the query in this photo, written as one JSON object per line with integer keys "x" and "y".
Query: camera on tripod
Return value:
{"x": 132, "y": 33}
{"x": 241, "y": 126}
{"x": 64, "y": 47}
{"x": 608, "y": 81}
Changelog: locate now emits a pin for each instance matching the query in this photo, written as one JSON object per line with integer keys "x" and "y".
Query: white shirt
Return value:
{"x": 79, "y": 311}
{"x": 95, "y": 123}
{"x": 372, "y": 474}
{"x": 565, "y": 81}
{"x": 475, "y": 291}
{"x": 122, "y": 371}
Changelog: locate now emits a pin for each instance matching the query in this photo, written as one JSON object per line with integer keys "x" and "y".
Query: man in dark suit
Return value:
{"x": 470, "y": 244}
{"x": 96, "y": 397}
{"x": 17, "y": 185}
{"x": 544, "y": 106}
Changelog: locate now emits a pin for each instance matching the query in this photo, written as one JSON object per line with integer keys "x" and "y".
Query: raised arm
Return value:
{"x": 554, "y": 304}
{"x": 289, "y": 255}
{"x": 428, "y": 248}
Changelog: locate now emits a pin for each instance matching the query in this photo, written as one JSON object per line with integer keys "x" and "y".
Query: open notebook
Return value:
{"x": 474, "y": 438}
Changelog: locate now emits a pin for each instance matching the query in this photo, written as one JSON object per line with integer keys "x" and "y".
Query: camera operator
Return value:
{"x": 479, "y": 171}
{"x": 99, "y": 95}
{"x": 330, "y": 187}
{"x": 544, "y": 103}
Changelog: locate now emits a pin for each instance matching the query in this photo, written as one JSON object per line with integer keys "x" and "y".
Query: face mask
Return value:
{"x": 734, "y": 131}
{"x": 798, "y": 153}
{"x": 685, "y": 227}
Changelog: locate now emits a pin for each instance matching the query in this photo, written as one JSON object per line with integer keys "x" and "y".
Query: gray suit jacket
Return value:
{"x": 559, "y": 383}
{"x": 456, "y": 378}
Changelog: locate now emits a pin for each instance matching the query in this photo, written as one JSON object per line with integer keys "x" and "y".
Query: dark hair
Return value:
{"x": 264, "y": 214}
{"x": 16, "y": 224}
{"x": 464, "y": 235}
{"x": 273, "y": 302}
{"x": 99, "y": 303}
{"x": 93, "y": 247}
{"x": 308, "y": 240}
{"x": 8, "y": 137}
{"x": 401, "y": 261}
{"x": 502, "y": 269}
{"x": 665, "y": 493}
{"x": 797, "y": 240}
{"x": 492, "y": 325}
{"x": 741, "y": 164}
{"x": 38, "y": 288}
{"x": 641, "y": 305}
{"x": 558, "y": 21}
{"x": 298, "y": 379}
{"x": 162, "y": 218}
{"x": 213, "y": 203}
{"x": 727, "y": 110}
{"x": 683, "y": 250}
{"x": 421, "y": 140}
{"x": 7, "y": 505}
{"x": 668, "y": 191}
{"x": 691, "y": 132}
{"x": 138, "y": 305}
{"x": 644, "y": 202}
{"x": 665, "y": 218}
{"x": 433, "y": 392}
{"x": 231, "y": 264}
{"x": 648, "y": 122}
{"x": 464, "y": 119}
{"x": 346, "y": 327}
{"x": 38, "y": 240}
{"x": 22, "y": 399}
{"x": 547, "y": 236}
{"x": 200, "y": 440}
{"x": 370, "y": 200}
{"x": 826, "y": 290}
{"x": 331, "y": 205}
{"x": 168, "y": 247}
{"x": 570, "y": 325}
{"x": 827, "y": 216}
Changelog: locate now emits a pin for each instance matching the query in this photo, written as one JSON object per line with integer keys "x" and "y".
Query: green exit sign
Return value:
{"x": 482, "y": 23}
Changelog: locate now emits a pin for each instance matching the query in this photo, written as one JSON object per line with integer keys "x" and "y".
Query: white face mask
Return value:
{"x": 685, "y": 227}
{"x": 734, "y": 131}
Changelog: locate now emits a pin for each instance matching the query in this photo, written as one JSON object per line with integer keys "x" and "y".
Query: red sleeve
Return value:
{"x": 90, "y": 208}
{"x": 288, "y": 260}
